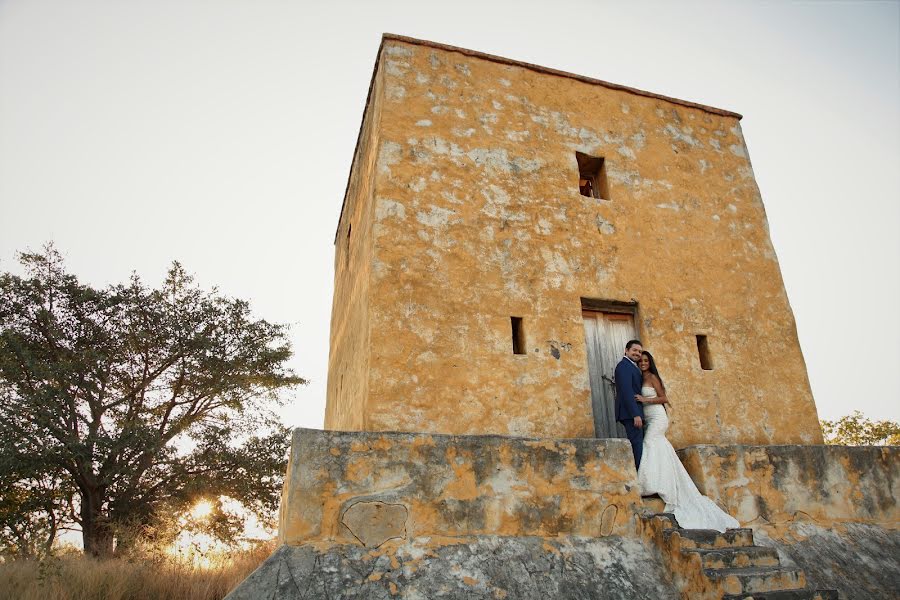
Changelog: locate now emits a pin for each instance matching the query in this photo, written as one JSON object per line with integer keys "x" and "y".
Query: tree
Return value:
{"x": 31, "y": 505}
{"x": 857, "y": 430}
{"x": 135, "y": 400}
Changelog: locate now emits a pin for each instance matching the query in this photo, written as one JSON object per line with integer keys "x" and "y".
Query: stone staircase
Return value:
{"x": 707, "y": 564}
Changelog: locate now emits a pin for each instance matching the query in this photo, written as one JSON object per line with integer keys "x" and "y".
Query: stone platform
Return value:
{"x": 483, "y": 567}
{"x": 384, "y": 515}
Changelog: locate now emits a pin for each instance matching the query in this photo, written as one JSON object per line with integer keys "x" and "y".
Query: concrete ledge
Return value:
{"x": 778, "y": 484}
{"x": 484, "y": 568}
{"x": 367, "y": 488}
{"x": 858, "y": 560}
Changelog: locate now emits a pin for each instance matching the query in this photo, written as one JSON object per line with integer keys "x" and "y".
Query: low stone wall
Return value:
{"x": 479, "y": 568}
{"x": 769, "y": 485}
{"x": 360, "y": 487}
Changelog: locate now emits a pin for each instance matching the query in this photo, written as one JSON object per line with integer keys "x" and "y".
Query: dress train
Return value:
{"x": 662, "y": 473}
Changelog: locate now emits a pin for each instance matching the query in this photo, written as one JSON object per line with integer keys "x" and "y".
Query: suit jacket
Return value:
{"x": 628, "y": 383}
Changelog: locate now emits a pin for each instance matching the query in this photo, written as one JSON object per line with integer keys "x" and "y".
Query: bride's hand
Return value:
{"x": 639, "y": 398}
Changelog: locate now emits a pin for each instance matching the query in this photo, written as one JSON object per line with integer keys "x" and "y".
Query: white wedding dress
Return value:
{"x": 662, "y": 473}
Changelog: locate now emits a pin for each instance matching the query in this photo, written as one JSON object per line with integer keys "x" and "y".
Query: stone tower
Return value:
{"x": 507, "y": 227}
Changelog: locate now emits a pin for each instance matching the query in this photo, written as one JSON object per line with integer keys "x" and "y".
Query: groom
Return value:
{"x": 628, "y": 412}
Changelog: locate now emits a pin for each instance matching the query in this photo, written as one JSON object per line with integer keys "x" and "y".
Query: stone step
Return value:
{"x": 710, "y": 538}
{"x": 653, "y": 504}
{"x": 751, "y": 580}
{"x": 666, "y": 520}
{"x": 786, "y": 595}
{"x": 736, "y": 558}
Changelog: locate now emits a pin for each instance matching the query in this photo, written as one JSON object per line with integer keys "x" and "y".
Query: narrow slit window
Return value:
{"x": 347, "y": 248}
{"x": 592, "y": 176}
{"x": 518, "y": 335}
{"x": 706, "y": 362}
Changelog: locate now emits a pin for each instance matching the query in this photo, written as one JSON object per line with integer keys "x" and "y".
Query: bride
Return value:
{"x": 661, "y": 472}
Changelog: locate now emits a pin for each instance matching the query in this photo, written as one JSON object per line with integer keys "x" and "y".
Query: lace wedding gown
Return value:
{"x": 662, "y": 473}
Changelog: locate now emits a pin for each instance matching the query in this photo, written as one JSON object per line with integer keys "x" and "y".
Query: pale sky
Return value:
{"x": 221, "y": 134}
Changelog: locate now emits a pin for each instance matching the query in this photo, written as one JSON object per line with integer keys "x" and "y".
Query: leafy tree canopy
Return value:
{"x": 857, "y": 430}
{"x": 119, "y": 405}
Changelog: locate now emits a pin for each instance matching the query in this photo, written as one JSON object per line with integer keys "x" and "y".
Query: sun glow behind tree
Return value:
{"x": 195, "y": 541}
{"x": 202, "y": 509}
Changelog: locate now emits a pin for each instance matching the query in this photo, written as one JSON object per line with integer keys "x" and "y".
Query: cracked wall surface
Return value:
{"x": 374, "y": 523}
{"x": 773, "y": 486}
{"x": 367, "y": 488}
{"x": 474, "y": 215}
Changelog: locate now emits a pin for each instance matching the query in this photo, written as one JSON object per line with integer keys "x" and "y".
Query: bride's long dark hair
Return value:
{"x": 652, "y": 368}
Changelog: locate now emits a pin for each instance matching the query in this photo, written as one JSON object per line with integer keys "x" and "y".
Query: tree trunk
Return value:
{"x": 47, "y": 546}
{"x": 95, "y": 530}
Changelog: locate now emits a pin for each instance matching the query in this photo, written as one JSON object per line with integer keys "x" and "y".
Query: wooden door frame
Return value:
{"x": 612, "y": 306}
{"x": 592, "y": 308}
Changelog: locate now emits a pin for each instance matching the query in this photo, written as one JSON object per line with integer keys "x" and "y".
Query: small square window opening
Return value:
{"x": 592, "y": 176}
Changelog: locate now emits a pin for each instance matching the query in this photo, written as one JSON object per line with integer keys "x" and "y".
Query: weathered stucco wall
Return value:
{"x": 356, "y": 487}
{"x": 478, "y": 217}
{"x": 348, "y": 358}
{"x": 777, "y": 485}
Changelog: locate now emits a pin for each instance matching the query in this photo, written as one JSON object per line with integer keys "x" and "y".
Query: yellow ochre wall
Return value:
{"x": 464, "y": 190}
{"x": 348, "y": 358}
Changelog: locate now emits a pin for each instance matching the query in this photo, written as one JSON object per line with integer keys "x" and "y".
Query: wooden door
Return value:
{"x": 605, "y": 334}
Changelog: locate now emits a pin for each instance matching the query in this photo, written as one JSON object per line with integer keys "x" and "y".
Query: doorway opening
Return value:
{"x": 608, "y": 326}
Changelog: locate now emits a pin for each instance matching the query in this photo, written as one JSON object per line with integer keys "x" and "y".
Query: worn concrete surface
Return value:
{"x": 486, "y": 567}
{"x": 374, "y": 523}
{"x": 367, "y": 487}
{"x": 773, "y": 485}
{"x": 830, "y": 510}
{"x": 463, "y": 210}
{"x": 860, "y": 561}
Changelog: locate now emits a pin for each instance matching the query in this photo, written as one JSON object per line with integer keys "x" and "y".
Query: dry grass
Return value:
{"x": 154, "y": 578}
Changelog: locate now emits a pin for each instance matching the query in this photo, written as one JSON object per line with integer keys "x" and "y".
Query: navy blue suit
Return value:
{"x": 628, "y": 383}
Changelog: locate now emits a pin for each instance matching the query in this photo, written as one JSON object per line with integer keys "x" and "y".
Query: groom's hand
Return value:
{"x": 638, "y": 422}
